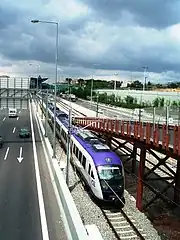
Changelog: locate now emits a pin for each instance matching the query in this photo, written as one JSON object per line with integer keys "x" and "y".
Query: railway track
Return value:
{"x": 74, "y": 111}
{"x": 123, "y": 225}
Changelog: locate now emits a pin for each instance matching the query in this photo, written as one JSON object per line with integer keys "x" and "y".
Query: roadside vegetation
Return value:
{"x": 82, "y": 89}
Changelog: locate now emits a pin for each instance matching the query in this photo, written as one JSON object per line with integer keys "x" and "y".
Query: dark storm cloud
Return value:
{"x": 27, "y": 41}
{"x": 8, "y": 17}
{"x": 149, "y": 13}
{"x": 82, "y": 44}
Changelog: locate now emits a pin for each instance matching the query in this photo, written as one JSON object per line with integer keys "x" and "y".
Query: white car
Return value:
{"x": 12, "y": 112}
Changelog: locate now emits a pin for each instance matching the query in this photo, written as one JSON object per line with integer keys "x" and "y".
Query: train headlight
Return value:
{"x": 104, "y": 185}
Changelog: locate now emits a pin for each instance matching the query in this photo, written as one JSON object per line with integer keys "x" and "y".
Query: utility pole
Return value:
{"x": 91, "y": 91}
{"x": 145, "y": 77}
{"x": 46, "y": 117}
{"x": 41, "y": 103}
{"x": 145, "y": 83}
{"x": 37, "y": 83}
{"x": 139, "y": 115}
{"x": 68, "y": 147}
{"x": 154, "y": 118}
{"x": 167, "y": 119}
{"x": 97, "y": 106}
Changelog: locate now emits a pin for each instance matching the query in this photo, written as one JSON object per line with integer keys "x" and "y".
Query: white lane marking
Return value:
{"x": 14, "y": 129}
{"x": 20, "y": 158}
{"x": 44, "y": 227}
{"x": 4, "y": 119}
{"x": 6, "y": 154}
{"x": 17, "y": 118}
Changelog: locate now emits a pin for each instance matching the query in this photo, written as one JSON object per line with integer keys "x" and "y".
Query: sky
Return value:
{"x": 103, "y": 39}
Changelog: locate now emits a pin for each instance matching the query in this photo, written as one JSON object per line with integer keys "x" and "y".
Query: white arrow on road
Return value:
{"x": 20, "y": 158}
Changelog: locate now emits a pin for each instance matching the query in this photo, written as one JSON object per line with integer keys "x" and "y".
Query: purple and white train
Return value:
{"x": 101, "y": 169}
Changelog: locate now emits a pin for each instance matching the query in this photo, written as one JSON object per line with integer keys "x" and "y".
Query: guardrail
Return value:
{"x": 75, "y": 228}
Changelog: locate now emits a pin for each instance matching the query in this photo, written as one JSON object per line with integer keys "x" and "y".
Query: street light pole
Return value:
{"x": 37, "y": 87}
{"x": 115, "y": 81}
{"x": 46, "y": 116}
{"x": 69, "y": 146}
{"x": 92, "y": 80}
{"x": 145, "y": 70}
{"x": 91, "y": 91}
{"x": 55, "y": 89}
{"x": 56, "y": 75}
{"x": 115, "y": 86}
{"x": 97, "y": 106}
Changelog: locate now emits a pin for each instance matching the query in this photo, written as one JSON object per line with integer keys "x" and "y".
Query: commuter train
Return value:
{"x": 100, "y": 168}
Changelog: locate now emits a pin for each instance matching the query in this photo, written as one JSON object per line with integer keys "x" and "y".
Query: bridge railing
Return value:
{"x": 160, "y": 135}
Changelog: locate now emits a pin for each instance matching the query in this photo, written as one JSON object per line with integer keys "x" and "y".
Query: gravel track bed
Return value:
{"x": 91, "y": 213}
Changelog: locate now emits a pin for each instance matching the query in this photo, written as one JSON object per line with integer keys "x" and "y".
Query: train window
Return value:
{"x": 89, "y": 170}
{"x": 74, "y": 149}
{"x": 80, "y": 156}
{"x": 77, "y": 152}
{"x": 65, "y": 137}
{"x": 84, "y": 162}
{"x": 92, "y": 174}
{"x": 63, "y": 133}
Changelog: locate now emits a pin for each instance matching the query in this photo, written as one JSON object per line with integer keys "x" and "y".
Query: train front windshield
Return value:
{"x": 112, "y": 176}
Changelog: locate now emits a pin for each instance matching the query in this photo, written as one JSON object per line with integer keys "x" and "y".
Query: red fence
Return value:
{"x": 162, "y": 136}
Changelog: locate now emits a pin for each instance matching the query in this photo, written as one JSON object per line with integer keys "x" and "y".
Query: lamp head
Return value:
{"x": 34, "y": 21}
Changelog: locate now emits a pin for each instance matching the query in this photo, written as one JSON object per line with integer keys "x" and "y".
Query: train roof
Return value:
{"x": 100, "y": 152}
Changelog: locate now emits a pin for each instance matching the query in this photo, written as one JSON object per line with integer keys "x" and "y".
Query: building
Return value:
{"x": 33, "y": 82}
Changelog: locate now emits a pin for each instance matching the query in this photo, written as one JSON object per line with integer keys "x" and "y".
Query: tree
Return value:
{"x": 103, "y": 98}
{"x": 129, "y": 100}
{"x": 156, "y": 102}
{"x": 135, "y": 85}
{"x": 149, "y": 85}
{"x": 69, "y": 80}
{"x": 81, "y": 82}
{"x": 174, "y": 104}
{"x": 161, "y": 103}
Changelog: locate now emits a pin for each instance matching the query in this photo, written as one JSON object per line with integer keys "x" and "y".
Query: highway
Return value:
{"x": 121, "y": 113}
{"x": 28, "y": 207}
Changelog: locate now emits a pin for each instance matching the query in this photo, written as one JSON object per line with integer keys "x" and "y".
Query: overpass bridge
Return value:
{"x": 147, "y": 137}
{"x": 153, "y": 144}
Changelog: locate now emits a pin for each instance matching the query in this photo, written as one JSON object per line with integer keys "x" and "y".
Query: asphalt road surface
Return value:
{"x": 20, "y": 200}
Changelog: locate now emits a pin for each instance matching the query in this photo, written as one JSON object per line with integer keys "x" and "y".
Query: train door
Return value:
{"x": 91, "y": 176}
